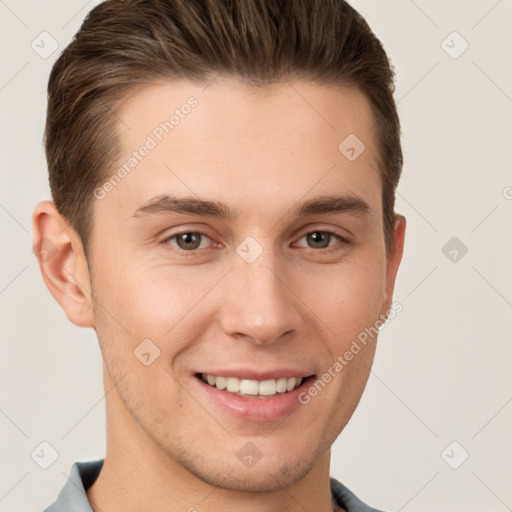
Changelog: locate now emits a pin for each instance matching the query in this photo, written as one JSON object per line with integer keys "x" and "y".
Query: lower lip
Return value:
{"x": 271, "y": 408}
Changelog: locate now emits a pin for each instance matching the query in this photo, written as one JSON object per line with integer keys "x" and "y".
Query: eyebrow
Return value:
{"x": 166, "y": 204}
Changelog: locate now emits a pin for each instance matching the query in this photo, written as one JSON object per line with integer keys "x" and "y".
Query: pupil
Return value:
{"x": 317, "y": 237}
{"x": 187, "y": 239}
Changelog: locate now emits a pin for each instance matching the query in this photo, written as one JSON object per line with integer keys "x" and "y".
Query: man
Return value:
{"x": 223, "y": 177}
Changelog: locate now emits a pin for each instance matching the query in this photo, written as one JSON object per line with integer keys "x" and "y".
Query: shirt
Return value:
{"x": 72, "y": 497}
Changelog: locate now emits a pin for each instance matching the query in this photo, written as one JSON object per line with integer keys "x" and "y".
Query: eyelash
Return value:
{"x": 326, "y": 250}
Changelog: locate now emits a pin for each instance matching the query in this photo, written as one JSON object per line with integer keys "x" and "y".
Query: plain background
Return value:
{"x": 442, "y": 368}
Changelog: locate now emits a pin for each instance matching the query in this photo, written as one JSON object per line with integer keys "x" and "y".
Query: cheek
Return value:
{"x": 154, "y": 302}
{"x": 348, "y": 298}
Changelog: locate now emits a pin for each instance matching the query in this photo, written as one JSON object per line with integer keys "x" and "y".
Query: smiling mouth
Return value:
{"x": 253, "y": 388}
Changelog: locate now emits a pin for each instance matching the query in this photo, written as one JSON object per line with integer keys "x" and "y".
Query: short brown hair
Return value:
{"x": 126, "y": 44}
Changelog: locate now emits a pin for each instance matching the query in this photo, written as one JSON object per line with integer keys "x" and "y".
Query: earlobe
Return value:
{"x": 62, "y": 262}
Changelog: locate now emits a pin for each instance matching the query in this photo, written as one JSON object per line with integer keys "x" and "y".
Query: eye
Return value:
{"x": 191, "y": 241}
{"x": 187, "y": 240}
{"x": 320, "y": 239}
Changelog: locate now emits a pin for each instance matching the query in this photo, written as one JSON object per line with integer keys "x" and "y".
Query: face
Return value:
{"x": 265, "y": 285}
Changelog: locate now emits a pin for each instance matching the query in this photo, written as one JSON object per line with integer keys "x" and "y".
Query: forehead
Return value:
{"x": 230, "y": 140}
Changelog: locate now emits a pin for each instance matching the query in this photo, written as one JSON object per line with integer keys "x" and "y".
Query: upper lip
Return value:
{"x": 251, "y": 374}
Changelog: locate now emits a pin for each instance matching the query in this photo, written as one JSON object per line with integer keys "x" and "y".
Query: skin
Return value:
{"x": 260, "y": 152}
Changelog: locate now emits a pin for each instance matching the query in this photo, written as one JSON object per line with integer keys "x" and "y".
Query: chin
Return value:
{"x": 259, "y": 478}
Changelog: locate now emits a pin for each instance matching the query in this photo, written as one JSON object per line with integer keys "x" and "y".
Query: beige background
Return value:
{"x": 442, "y": 369}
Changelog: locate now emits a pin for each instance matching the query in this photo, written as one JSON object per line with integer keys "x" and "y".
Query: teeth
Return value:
{"x": 220, "y": 382}
{"x": 267, "y": 387}
{"x": 233, "y": 384}
{"x": 281, "y": 385}
{"x": 253, "y": 387}
{"x": 249, "y": 387}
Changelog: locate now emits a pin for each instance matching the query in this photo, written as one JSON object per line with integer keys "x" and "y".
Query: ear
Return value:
{"x": 62, "y": 262}
{"x": 393, "y": 261}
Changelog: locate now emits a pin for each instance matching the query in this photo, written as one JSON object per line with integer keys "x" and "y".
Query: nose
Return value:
{"x": 258, "y": 301}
